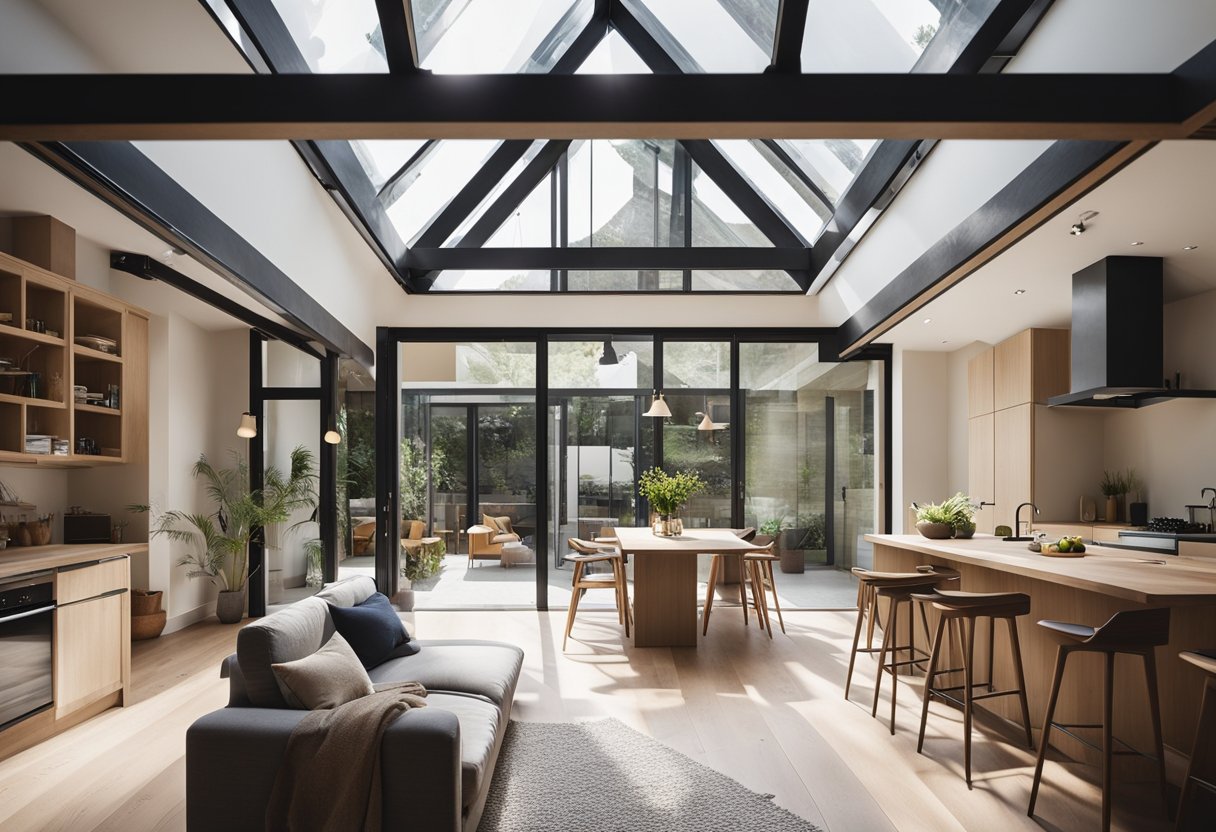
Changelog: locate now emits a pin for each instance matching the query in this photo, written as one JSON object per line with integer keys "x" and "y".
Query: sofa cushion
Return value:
{"x": 504, "y": 538}
{"x": 349, "y": 591}
{"x": 330, "y": 677}
{"x": 482, "y": 668}
{"x": 372, "y": 627}
{"x": 479, "y": 731}
{"x": 289, "y": 634}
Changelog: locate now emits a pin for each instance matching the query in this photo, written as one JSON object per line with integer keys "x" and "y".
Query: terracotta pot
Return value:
{"x": 935, "y": 531}
{"x": 147, "y": 626}
{"x": 230, "y": 606}
{"x": 144, "y": 602}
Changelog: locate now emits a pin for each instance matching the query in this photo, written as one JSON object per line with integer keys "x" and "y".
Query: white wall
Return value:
{"x": 919, "y": 461}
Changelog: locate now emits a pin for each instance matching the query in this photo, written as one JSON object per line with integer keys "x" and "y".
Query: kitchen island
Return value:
{"x": 1086, "y": 590}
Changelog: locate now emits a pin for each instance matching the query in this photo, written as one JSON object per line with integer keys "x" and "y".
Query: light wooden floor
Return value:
{"x": 769, "y": 714}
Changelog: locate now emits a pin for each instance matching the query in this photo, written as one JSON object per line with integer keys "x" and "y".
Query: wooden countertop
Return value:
{"x": 1119, "y": 573}
{"x": 18, "y": 559}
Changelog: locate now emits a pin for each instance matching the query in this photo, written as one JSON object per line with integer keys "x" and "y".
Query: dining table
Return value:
{"x": 665, "y": 601}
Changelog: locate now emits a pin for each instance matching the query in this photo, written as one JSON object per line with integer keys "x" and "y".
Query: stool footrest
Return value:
{"x": 995, "y": 693}
{"x": 1129, "y": 750}
{"x": 1203, "y": 784}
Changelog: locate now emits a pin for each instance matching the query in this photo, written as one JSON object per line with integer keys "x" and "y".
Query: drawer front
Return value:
{"x": 77, "y": 583}
{"x": 89, "y": 652}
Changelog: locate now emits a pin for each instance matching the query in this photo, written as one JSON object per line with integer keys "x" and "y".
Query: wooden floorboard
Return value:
{"x": 770, "y": 714}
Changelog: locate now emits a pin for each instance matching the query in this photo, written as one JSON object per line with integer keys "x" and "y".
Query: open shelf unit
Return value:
{"x": 41, "y": 316}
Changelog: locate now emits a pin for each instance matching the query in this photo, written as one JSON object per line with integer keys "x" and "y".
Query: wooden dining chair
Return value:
{"x": 717, "y": 569}
{"x": 586, "y": 553}
{"x": 759, "y": 568}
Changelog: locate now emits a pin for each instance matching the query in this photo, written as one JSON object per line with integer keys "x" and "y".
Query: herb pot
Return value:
{"x": 935, "y": 531}
{"x": 964, "y": 532}
{"x": 1112, "y": 509}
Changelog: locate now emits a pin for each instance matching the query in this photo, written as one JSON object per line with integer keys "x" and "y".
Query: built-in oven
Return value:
{"x": 27, "y": 612}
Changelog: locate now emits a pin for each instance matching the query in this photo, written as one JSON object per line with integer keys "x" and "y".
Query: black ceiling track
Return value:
{"x": 148, "y": 268}
{"x": 125, "y": 178}
{"x": 631, "y": 258}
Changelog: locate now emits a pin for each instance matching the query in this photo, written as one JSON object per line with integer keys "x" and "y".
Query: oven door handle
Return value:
{"x": 26, "y": 614}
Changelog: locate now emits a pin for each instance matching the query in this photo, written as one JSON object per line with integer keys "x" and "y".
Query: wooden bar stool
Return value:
{"x": 586, "y": 553}
{"x": 758, "y": 566}
{"x": 868, "y": 582}
{"x": 1136, "y": 632}
{"x": 897, "y": 594}
{"x": 1201, "y": 771}
{"x": 961, "y": 610}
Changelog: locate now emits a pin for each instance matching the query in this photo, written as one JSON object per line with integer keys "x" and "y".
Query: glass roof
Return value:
{"x": 616, "y": 193}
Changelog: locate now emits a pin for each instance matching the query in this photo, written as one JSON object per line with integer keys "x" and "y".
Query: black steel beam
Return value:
{"x": 776, "y": 105}
{"x": 625, "y": 259}
{"x": 787, "y": 40}
{"x": 1063, "y": 172}
{"x": 143, "y": 266}
{"x": 130, "y": 181}
{"x": 333, "y": 162}
{"x": 395, "y": 33}
{"x": 508, "y": 153}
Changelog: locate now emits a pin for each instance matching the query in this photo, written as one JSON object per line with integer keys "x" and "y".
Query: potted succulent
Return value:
{"x": 219, "y": 541}
{"x": 962, "y": 511}
{"x": 666, "y": 493}
{"x": 934, "y": 520}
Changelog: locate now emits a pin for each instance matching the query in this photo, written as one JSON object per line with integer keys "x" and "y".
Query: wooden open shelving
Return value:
{"x": 34, "y": 299}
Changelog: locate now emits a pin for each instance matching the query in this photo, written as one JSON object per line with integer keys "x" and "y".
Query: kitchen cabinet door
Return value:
{"x": 1013, "y": 474}
{"x": 89, "y": 641}
{"x": 979, "y": 384}
{"x": 980, "y": 469}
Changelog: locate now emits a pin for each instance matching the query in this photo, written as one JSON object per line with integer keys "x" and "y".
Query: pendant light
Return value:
{"x": 248, "y": 428}
{"x": 332, "y": 437}
{"x": 658, "y": 407}
{"x": 608, "y": 358}
{"x": 707, "y": 424}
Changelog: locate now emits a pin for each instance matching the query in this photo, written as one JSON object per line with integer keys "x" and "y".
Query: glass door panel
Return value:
{"x": 446, "y": 458}
{"x": 506, "y": 466}
{"x": 697, "y": 439}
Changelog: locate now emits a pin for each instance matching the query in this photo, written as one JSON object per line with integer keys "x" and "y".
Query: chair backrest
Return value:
{"x": 501, "y": 523}
{"x": 417, "y": 529}
{"x": 583, "y": 547}
{"x": 746, "y": 534}
{"x": 607, "y": 532}
{"x": 761, "y": 540}
{"x": 367, "y": 529}
{"x": 1149, "y": 627}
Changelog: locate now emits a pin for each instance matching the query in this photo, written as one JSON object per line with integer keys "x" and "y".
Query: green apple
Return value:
{"x": 1065, "y": 544}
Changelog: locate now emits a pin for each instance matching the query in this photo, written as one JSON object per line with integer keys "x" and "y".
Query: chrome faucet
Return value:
{"x": 1017, "y": 523}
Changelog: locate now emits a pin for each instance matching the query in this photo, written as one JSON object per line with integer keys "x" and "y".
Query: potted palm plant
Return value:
{"x": 666, "y": 493}
{"x": 219, "y": 541}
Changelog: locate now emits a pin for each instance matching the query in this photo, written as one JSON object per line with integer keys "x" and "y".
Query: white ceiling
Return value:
{"x": 1163, "y": 200}
{"x": 31, "y": 187}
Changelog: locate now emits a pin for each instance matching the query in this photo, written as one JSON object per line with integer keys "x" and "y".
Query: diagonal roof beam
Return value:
{"x": 707, "y": 157}
{"x": 334, "y": 163}
{"x": 397, "y": 32}
{"x": 787, "y": 39}
{"x": 509, "y": 152}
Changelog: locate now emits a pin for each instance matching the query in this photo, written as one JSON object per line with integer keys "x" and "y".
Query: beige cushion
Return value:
{"x": 417, "y": 527}
{"x": 330, "y": 677}
{"x": 492, "y": 522}
{"x": 504, "y": 523}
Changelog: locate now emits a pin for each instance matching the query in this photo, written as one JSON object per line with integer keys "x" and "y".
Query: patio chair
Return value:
{"x": 486, "y": 539}
{"x": 363, "y": 536}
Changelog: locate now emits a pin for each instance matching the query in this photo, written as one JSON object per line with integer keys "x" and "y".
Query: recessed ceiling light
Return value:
{"x": 1019, "y": 291}
{"x": 1189, "y": 248}
{"x": 1138, "y": 242}
{"x": 928, "y": 320}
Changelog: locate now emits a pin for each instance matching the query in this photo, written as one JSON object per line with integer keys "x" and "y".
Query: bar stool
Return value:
{"x": 585, "y": 554}
{"x": 758, "y": 566}
{"x": 960, "y": 611}
{"x": 868, "y": 582}
{"x": 898, "y": 594}
{"x": 1131, "y": 631}
{"x": 1201, "y": 771}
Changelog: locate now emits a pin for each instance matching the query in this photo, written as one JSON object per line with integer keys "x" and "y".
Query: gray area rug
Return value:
{"x": 604, "y": 776}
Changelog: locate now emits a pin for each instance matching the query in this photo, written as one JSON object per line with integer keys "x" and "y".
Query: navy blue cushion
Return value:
{"x": 373, "y": 629}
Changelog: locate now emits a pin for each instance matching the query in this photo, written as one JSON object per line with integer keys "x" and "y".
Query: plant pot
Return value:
{"x": 147, "y": 626}
{"x": 144, "y": 602}
{"x": 1112, "y": 509}
{"x": 793, "y": 561}
{"x": 964, "y": 532}
{"x": 935, "y": 531}
{"x": 230, "y": 606}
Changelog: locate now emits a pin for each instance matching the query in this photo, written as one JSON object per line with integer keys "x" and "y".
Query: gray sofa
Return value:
{"x": 436, "y": 761}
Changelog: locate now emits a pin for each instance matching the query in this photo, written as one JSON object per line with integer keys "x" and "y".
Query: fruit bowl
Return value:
{"x": 1065, "y": 547}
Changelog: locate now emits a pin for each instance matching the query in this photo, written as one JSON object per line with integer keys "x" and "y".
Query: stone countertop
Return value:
{"x": 1143, "y": 577}
{"x": 17, "y": 560}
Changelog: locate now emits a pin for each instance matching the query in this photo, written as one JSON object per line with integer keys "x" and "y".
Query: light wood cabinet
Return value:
{"x": 981, "y": 484}
{"x": 1031, "y": 366}
{"x": 41, "y": 317}
{"x": 1013, "y": 461}
{"x": 979, "y": 384}
{"x": 1196, "y": 549}
{"x": 89, "y": 652}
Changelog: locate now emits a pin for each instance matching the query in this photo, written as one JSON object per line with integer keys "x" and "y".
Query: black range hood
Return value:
{"x": 1117, "y": 336}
